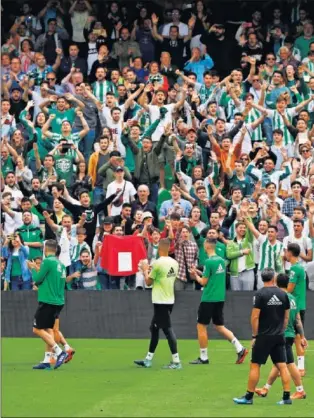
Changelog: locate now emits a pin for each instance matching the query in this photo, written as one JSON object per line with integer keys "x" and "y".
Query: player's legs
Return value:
{"x": 43, "y": 327}
{"x": 270, "y": 381}
{"x": 260, "y": 353}
{"x": 279, "y": 358}
{"x": 204, "y": 317}
{"x": 218, "y": 321}
{"x": 300, "y": 349}
{"x": 172, "y": 342}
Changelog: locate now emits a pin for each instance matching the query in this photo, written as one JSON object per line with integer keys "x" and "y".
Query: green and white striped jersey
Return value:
{"x": 278, "y": 123}
{"x": 252, "y": 116}
{"x": 204, "y": 92}
{"x": 270, "y": 255}
{"x": 101, "y": 88}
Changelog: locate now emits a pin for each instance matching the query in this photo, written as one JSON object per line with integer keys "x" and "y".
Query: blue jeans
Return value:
{"x": 98, "y": 195}
{"x": 108, "y": 282}
{"x": 86, "y": 144}
{"x": 17, "y": 283}
{"x": 268, "y": 131}
{"x": 153, "y": 189}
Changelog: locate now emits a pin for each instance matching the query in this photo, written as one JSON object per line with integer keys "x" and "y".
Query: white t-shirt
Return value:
{"x": 116, "y": 128}
{"x": 78, "y": 21}
{"x": 128, "y": 194}
{"x": 304, "y": 243}
{"x": 183, "y": 29}
{"x": 154, "y": 113}
{"x": 92, "y": 55}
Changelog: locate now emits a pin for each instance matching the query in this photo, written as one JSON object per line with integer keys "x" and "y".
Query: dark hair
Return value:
{"x": 84, "y": 250}
{"x": 236, "y": 188}
{"x": 126, "y": 205}
{"x": 200, "y": 188}
{"x": 278, "y": 131}
{"x": 294, "y": 249}
{"x": 175, "y": 216}
{"x": 296, "y": 182}
{"x": 51, "y": 245}
{"x": 271, "y": 183}
{"x": 268, "y": 275}
{"x": 301, "y": 209}
{"x": 298, "y": 221}
{"x": 219, "y": 120}
{"x": 83, "y": 191}
{"x": 282, "y": 280}
{"x": 273, "y": 227}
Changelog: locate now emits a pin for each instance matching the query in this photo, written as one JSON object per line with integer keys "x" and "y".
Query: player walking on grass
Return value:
{"x": 212, "y": 303}
{"x": 297, "y": 287}
{"x": 269, "y": 319}
{"x": 50, "y": 357}
{"x": 162, "y": 277}
{"x": 50, "y": 280}
{"x": 294, "y": 323}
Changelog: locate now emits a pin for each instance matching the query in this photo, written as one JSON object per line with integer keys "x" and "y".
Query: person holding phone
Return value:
{"x": 66, "y": 155}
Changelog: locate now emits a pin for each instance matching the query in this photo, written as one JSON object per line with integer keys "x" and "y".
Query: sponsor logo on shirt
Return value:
{"x": 274, "y": 301}
{"x": 220, "y": 269}
{"x": 171, "y": 272}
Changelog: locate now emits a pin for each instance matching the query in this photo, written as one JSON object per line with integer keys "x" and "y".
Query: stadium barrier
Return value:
{"x": 127, "y": 314}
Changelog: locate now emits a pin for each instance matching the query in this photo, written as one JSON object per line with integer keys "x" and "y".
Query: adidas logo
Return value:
{"x": 171, "y": 272}
{"x": 274, "y": 301}
{"x": 220, "y": 269}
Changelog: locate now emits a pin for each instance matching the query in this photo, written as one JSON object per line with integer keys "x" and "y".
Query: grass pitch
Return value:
{"x": 101, "y": 381}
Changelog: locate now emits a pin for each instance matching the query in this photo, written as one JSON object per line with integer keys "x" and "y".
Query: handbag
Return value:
{"x": 119, "y": 201}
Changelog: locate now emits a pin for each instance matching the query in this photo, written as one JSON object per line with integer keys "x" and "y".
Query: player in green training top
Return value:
{"x": 162, "y": 277}
{"x": 294, "y": 324}
{"x": 50, "y": 279}
{"x": 297, "y": 287}
{"x": 212, "y": 303}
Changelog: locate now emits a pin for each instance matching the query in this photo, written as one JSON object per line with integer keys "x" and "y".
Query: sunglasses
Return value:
{"x": 305, "y": 150}
{"x": 255, "y": 80}
{"x": 51, "y": 79}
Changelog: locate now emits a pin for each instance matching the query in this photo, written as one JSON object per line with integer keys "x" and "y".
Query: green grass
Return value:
{"x": 102, "y": 381}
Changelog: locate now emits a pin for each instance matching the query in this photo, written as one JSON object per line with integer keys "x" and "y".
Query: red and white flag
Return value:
{"x": 120, "y": 255}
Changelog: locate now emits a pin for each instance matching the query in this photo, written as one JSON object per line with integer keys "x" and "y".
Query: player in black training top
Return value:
{"x": 269, "y": 319}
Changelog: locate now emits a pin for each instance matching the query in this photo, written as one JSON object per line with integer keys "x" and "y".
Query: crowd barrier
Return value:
{"x": 127, "y": 314}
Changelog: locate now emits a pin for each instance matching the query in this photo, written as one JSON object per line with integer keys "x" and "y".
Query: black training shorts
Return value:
{"x": 208, "y": 311}
{"x": 161, "y": 318}
{"x": 46, "y": 315}
{"x": 289, "y": 351}
{"x": 269, "y": 345}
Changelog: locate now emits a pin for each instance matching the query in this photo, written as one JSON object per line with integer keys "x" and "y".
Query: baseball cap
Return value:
{"x": 119, "y": 168}
{"x": 108, "y": 220}
{"x": 146, "y": 215}
{"x": 191, "y": 129}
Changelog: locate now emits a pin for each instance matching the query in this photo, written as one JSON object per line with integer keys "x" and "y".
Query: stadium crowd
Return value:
{"x": 156, "y": 122}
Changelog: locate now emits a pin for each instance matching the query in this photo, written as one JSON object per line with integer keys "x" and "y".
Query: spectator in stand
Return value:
{"x": 125, "y": 48}
{"x": 73, "y": 61}
{"x": 79, "y": 12}
{"x": 17, "y": 274}
{"x": 48, "y": 42}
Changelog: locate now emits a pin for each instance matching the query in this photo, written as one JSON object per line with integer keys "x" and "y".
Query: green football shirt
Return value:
{"x": 56, "y": 123}
{"x": 215, "y": 272}
{"x": 290, "y": 330}
{"x": 297, "y": 276}
{"x": 64, "y": 166}
{"x": 50, "y": 280}
{"x": 164, "y": 273}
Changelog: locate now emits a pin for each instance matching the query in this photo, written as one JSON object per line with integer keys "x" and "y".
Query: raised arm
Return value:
{"x": 45, "y": 129}
{"x": 155, "y": 33}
